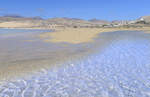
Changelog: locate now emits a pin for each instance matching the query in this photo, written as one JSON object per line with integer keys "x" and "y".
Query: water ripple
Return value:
{"x": 120, "y": 70}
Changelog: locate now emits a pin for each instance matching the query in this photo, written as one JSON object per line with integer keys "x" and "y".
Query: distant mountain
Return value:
{"x": 96, "y": 21}
{"x": 13, "y": 16}
{"x": 75, "y": 22}
{"x": 69, "y": 22}
{"x": 7, "y": 18}
{"x": 13, "y": 21}
{"x": 144, "y": 19}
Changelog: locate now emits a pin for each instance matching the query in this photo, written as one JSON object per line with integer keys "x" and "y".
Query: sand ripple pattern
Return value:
{"x": 120, "y": 70}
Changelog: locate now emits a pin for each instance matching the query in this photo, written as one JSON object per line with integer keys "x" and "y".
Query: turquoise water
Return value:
{"x": 120, "y": 69}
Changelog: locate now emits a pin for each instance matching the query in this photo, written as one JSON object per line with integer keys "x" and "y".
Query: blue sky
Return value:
{"x": 85, "y": 9}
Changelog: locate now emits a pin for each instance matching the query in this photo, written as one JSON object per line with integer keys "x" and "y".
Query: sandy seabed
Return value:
{"x": 81, "y": 35}
{"x": 119, "y": 69}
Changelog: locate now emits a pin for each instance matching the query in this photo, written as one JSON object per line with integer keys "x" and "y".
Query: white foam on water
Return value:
{"x": 122, "y": 69}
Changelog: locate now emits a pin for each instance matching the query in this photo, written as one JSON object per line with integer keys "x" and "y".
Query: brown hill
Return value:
{"x": 69, "y": 22}
{"x": 145, "y": 19}
{"x": 100, "y": 22}
{"x": 30, "y": 22}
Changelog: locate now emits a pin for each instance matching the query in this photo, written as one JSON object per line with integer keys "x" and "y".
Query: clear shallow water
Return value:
{"x": 121, "y": 69}
{"x": 6, "y": 33}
